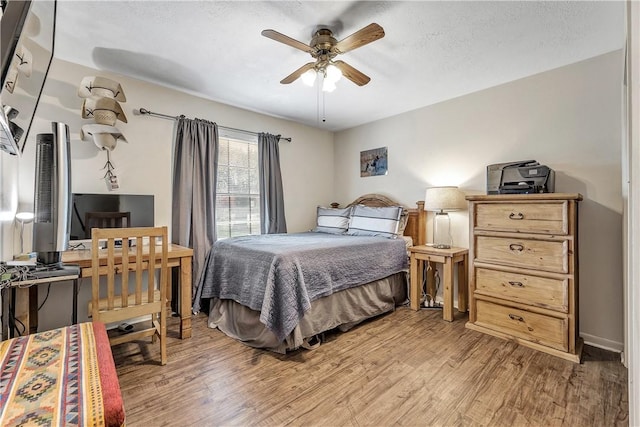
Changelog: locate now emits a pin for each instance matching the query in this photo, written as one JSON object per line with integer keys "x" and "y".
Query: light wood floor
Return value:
{"x": 404, "y": 368}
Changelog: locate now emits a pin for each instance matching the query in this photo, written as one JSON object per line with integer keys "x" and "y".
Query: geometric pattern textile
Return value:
{"x": 62, "y": 377}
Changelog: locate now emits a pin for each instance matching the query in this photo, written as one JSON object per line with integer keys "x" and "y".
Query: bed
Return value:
{"x": 280, "y": 291}
{"x": 64, "y": 376}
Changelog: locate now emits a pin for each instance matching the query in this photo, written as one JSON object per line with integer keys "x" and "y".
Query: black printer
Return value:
{"x": 522, "y": 177}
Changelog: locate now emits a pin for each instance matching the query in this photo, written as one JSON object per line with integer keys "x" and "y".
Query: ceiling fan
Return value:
{"x": 324, "y": 48}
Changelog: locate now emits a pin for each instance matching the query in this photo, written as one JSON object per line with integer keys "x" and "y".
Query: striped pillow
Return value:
{"x": 368, "y": 221}
{"x": 332, "y": 220}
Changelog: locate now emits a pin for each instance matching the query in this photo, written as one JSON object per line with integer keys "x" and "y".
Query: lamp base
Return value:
{"x": 441, "y": 231}
{"x": 441, "y": 246}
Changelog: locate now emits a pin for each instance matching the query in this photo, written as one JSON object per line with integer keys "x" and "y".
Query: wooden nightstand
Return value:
{"x": 448, "y": 258}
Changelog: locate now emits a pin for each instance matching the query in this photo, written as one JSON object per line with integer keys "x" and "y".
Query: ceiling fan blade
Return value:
{"x": 351, "y": 73}
{"x": 279, "y": 37}
{"x": 297, "y": 73}
{"x": 366, "y": 35}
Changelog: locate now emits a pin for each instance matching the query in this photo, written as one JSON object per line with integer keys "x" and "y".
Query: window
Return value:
{"x": 237, "y": 198}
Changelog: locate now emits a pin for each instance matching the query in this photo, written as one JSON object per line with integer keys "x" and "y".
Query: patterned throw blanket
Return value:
{"x": 62, "y": 377}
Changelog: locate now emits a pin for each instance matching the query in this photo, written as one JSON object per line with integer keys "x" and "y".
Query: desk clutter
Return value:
{"x": 25, "y": 276}
{"x": 22, "y": 275}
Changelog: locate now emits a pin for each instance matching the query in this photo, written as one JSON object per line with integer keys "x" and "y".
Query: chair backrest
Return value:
{"x": 105, "y": 220}
{"x": 128, "y": 250}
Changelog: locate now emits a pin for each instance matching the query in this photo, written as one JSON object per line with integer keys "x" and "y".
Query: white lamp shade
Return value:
{"x": 25, "y": 217}
{"x": 309, "y": 77}
{"x": 328, "y": 86}
{"x": 444, "y": 199}
{"x": 333, "y": 73}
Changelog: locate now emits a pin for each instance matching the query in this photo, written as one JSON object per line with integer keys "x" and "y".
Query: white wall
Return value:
{"x": 144, "y": 164}
{"x": 568, "y": 119}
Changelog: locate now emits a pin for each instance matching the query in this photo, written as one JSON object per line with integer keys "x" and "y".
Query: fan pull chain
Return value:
{"x": 318, "y": 105}
{"x": 324, "y": 115}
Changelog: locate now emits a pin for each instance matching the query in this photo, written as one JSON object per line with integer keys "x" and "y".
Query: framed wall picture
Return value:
{"x": 373, "y": 162}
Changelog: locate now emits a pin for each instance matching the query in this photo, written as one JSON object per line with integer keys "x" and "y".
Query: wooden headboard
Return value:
{"x": 416, "y": 217}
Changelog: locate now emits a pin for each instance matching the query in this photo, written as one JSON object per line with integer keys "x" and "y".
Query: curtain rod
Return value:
{"x": 144, "y": 111}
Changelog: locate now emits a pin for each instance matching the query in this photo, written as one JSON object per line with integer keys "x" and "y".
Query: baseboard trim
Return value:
{"x": 602, "y": 343}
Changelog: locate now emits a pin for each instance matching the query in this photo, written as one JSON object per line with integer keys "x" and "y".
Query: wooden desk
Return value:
{"x": 179, "y": 256}
{"x": 448, "y": 258}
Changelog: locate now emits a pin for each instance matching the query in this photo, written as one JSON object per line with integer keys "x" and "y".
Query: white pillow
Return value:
{"x": 369, "y": 221}
{"x": 332, "y": 220}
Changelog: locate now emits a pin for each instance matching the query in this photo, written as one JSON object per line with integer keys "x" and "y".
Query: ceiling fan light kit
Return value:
{"x": 324, "y": 48}
{"x": 330, "y": 76}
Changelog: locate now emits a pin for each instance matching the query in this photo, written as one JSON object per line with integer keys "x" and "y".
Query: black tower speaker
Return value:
{"x": 52, "y": 198}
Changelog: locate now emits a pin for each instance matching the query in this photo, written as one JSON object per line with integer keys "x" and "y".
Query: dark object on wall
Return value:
{"x": 522, "y": 177}
{"x": 52, "y": 198}
{"x": 10, "y": 134}
{"x": 13, "y": 16}
{"x": 27, "y": 31}
{"x": 12, "y": 21}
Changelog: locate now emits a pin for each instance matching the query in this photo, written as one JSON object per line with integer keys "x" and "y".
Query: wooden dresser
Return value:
{"x": 523, "y": 270}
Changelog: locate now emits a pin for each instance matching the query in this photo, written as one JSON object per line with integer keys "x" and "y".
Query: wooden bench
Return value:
{"x": 65, "y": 376}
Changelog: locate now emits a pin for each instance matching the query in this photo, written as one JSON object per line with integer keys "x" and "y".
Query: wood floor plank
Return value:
{"x": 405, "y": 368}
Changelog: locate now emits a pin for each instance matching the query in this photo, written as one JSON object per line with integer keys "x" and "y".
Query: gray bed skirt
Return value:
{"x": 343, "y": 310}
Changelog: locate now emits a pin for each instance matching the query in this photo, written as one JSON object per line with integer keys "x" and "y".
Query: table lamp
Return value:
{"x": 23, "y": 218}
{"x": 442, "y": 200}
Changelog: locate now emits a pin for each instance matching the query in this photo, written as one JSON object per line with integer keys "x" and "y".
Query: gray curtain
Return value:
{"x": 272, "y": 218}
{"x": 194, "y": 189}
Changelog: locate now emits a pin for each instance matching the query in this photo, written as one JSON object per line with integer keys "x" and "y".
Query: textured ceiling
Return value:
{"x": 432, "y": 51}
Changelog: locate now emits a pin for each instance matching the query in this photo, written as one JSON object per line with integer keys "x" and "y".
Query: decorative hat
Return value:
{"x": 104, "y": 136}
{"x": 92, "y": 86}
{"x": 12, "y": 79}
{"x": 105, "y": 111}
{"x": 23, "y": 60}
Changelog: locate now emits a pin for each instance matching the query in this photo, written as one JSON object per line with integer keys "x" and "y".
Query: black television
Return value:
{"x": 140, "y": 209}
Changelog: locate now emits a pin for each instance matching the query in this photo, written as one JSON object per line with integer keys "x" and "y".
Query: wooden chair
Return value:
{"x": 105, "y": 220}
{"x": 120, "y": 304}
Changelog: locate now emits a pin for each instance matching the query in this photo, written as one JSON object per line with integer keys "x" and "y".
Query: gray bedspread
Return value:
{"x": 280, "y": 274}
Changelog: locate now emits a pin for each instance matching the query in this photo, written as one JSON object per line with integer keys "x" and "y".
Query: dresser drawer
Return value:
{"x": 549, "y": 331}
{"x": 546, "y": 255}
{"x": 525, "y": 217}
{"x": 523, "y": 288}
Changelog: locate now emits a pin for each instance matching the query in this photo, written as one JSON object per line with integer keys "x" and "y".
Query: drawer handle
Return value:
{"x": 515, "y": 317}
{"x": 515, "y": 216}
{"x": 516, "y": 247}
{"x": 518, "y": 284}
